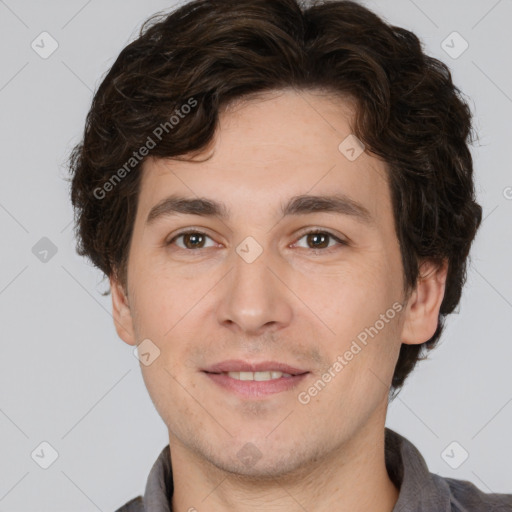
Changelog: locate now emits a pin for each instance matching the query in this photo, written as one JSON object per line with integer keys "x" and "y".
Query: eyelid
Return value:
{"x": 185, "y": 231}
{"x": 312, "y": 230}
{"x": 341, "y": 241}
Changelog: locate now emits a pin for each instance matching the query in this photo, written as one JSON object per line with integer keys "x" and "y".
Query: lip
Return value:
{"x": 250, "y": 388}
{"x": 255, "y": 389}
{"x": 238, "y": 365}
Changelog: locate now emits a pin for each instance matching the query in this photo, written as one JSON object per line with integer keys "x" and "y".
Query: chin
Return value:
{"x": 263, "y": 465}
{"x": 261, "y": 471}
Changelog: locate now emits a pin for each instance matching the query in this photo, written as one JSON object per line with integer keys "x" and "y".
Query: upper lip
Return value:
{"x": 237, "y": 365}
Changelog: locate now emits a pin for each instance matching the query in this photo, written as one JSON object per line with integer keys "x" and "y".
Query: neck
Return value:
{"x": 352, "y": 478}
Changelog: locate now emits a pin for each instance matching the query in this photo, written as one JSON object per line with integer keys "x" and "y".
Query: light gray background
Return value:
{"x": 65, "y": 376}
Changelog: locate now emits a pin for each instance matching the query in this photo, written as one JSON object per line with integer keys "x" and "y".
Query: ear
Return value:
{"x": 121, "y": 312}
{"x": 422, "y": 310}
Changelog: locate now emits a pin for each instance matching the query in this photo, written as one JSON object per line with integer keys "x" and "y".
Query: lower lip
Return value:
{"x": 255, "y": 388}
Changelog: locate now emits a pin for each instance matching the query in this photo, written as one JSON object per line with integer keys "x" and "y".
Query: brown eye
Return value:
{"x": 191, "y": 240}
{"x": 318, "y": 240}
{"x": 321, "y": 240}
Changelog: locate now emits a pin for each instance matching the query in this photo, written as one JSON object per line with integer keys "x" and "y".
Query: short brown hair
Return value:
{"x": 409, "y": 113}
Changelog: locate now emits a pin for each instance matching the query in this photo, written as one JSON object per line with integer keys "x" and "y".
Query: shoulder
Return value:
{"x": 466, "y": 496}
{"x": 134, "y": 505}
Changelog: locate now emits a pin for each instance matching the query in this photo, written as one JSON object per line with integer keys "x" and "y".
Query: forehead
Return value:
{"x": 272, "y": 146}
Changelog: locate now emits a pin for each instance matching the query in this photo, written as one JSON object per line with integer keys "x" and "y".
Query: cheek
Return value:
{"x": 361, "y": 307}
{"x": 161, "y": 299}
{"x": 347, "y": 299}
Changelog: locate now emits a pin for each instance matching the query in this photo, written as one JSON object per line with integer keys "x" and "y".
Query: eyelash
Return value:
{"x": 302, "y": 235}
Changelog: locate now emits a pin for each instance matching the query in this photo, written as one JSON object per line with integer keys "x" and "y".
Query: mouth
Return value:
{"x": 257, "y": 376}
{"x": 254, "y": 380}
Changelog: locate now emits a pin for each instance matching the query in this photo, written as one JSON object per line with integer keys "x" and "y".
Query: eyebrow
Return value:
{"x": 298, "y": 205}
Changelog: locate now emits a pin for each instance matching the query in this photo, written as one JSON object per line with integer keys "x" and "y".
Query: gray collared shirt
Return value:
{"x": 420, "y": 490}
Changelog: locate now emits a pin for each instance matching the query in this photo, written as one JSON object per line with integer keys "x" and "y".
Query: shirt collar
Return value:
{"x": 159, "y": 486}
{"x": 419, "y": 490}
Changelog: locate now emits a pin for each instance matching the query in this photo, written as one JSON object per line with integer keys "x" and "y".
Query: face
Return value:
{"x": 256, "y": 277}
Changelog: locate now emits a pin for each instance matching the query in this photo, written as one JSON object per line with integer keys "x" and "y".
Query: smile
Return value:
{"x": 259, "y": 376}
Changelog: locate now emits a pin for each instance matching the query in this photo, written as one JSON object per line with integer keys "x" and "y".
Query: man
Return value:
{"x": 282, "y": 198}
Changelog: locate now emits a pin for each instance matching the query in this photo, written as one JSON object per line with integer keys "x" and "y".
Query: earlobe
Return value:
{"x": 121, "y": 313}
{"x": 422, "y": 310}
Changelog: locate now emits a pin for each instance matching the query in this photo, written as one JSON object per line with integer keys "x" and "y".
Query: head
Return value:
{"x": 238, "y": 110}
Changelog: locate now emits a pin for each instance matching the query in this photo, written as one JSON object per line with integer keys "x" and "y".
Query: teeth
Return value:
{"x": 259, "y": 376}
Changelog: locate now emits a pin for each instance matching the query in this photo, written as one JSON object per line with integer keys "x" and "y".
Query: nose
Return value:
{"x": 254, "y": 296}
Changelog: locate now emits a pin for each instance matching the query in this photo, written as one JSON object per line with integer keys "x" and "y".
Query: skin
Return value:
{"x": 294, "y": 304}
